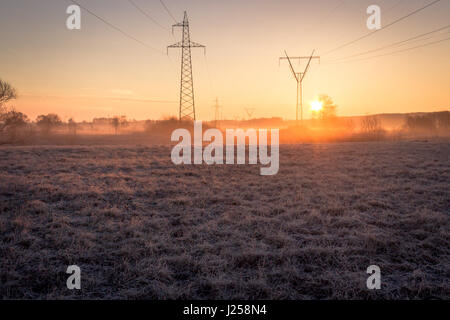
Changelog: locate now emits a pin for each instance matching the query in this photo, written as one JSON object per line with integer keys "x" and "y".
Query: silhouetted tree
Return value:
{"x": 328, "y": 107}
{"x": 118, "y": 122}
{"x": 7, "y": 93}
{"x": 124, "y": 122}
{"x": 371, "y": 126}
{"x": 11, "y": 122}
{"x": 421, "y": 123}
{"x": 443, "y": 120}
{"x": 48, "y": 122}
{"x": 72, "y": 125}
{"x": 115, "y": 122}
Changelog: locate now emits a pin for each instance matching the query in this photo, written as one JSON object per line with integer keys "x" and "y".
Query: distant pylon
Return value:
{"x": 250, "y": 112}
{"x": 187, "y": 104}
{"x": 217, "y": 113}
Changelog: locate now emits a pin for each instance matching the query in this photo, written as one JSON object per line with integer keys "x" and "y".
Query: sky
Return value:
{"x": 99, "y": 72}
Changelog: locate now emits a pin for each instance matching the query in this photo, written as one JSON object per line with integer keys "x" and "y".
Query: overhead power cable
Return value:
{"x": 145, "y": 13}
{"x": 398, "y": 51}
{"x": 168, "y": 11}
{"x": 383, "y": 28}
{"x": 115, "y": 27}
{"x": 396, "y": 43}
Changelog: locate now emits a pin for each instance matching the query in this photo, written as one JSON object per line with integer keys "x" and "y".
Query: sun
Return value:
{"x": 316, "y": 106}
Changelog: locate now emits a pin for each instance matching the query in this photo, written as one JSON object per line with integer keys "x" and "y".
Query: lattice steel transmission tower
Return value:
{"x": 299, "y": 76}
{"x": 187, "y": 104}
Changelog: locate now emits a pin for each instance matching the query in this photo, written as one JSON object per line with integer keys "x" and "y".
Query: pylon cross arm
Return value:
{"x": 176, "y": 45}
{"x": 197, "y": 45}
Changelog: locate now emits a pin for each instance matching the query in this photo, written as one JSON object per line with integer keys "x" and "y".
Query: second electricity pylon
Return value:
{"x": 299, "y": 76}
{"x": 216, "y": 113}
{"x": 250, "y": 112}
{"x": 187, "y": 105}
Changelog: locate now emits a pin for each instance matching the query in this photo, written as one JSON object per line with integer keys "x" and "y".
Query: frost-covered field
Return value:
{"x": 140, "y": 227}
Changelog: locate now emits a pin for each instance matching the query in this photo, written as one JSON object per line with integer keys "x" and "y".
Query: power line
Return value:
{"x": 115, "y": 28}
{"x": 394, "y": 6}
{"x": 168, "y": 11}
{"x": 147, "y": 15}
{"x": 341, "y": 3}
{"x": 398, "y": 51}
{"x": 385, "y": 27}
{"x": 395, "y": 43}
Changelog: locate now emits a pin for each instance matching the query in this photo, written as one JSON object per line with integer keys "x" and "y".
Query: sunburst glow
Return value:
{"x": 316, "y": 106}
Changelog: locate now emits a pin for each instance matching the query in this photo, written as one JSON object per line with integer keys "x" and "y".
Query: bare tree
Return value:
{"x": 72, "y": 125}
{"x": 328, "y": 107}
{"x": 11, "y": 124}
{"x": 372, "y": 127}
{"x": 422, "y": 123}
{"x": 443, "y": 120}
{"x": 370, "y": 124}
{"x": 115, "y": 122}
{"x": 48, "y": 122}
{"x": 118, "y": 122}
{"x": 7, "y": 93}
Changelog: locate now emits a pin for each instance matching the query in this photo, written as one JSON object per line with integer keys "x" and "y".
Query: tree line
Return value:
{"x": 13, "y": 122}
{"x": 14, "y": 125}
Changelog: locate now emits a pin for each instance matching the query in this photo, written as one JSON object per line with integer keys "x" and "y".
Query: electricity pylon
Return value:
{"x": 187, "y": 105}
{"x": 299, "y": 76}
{"x": 250, "y": 112}
{"x": 217, "y": 110}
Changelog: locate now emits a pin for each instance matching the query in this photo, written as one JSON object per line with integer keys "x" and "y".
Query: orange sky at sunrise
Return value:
{"x": 97, "y": 72}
